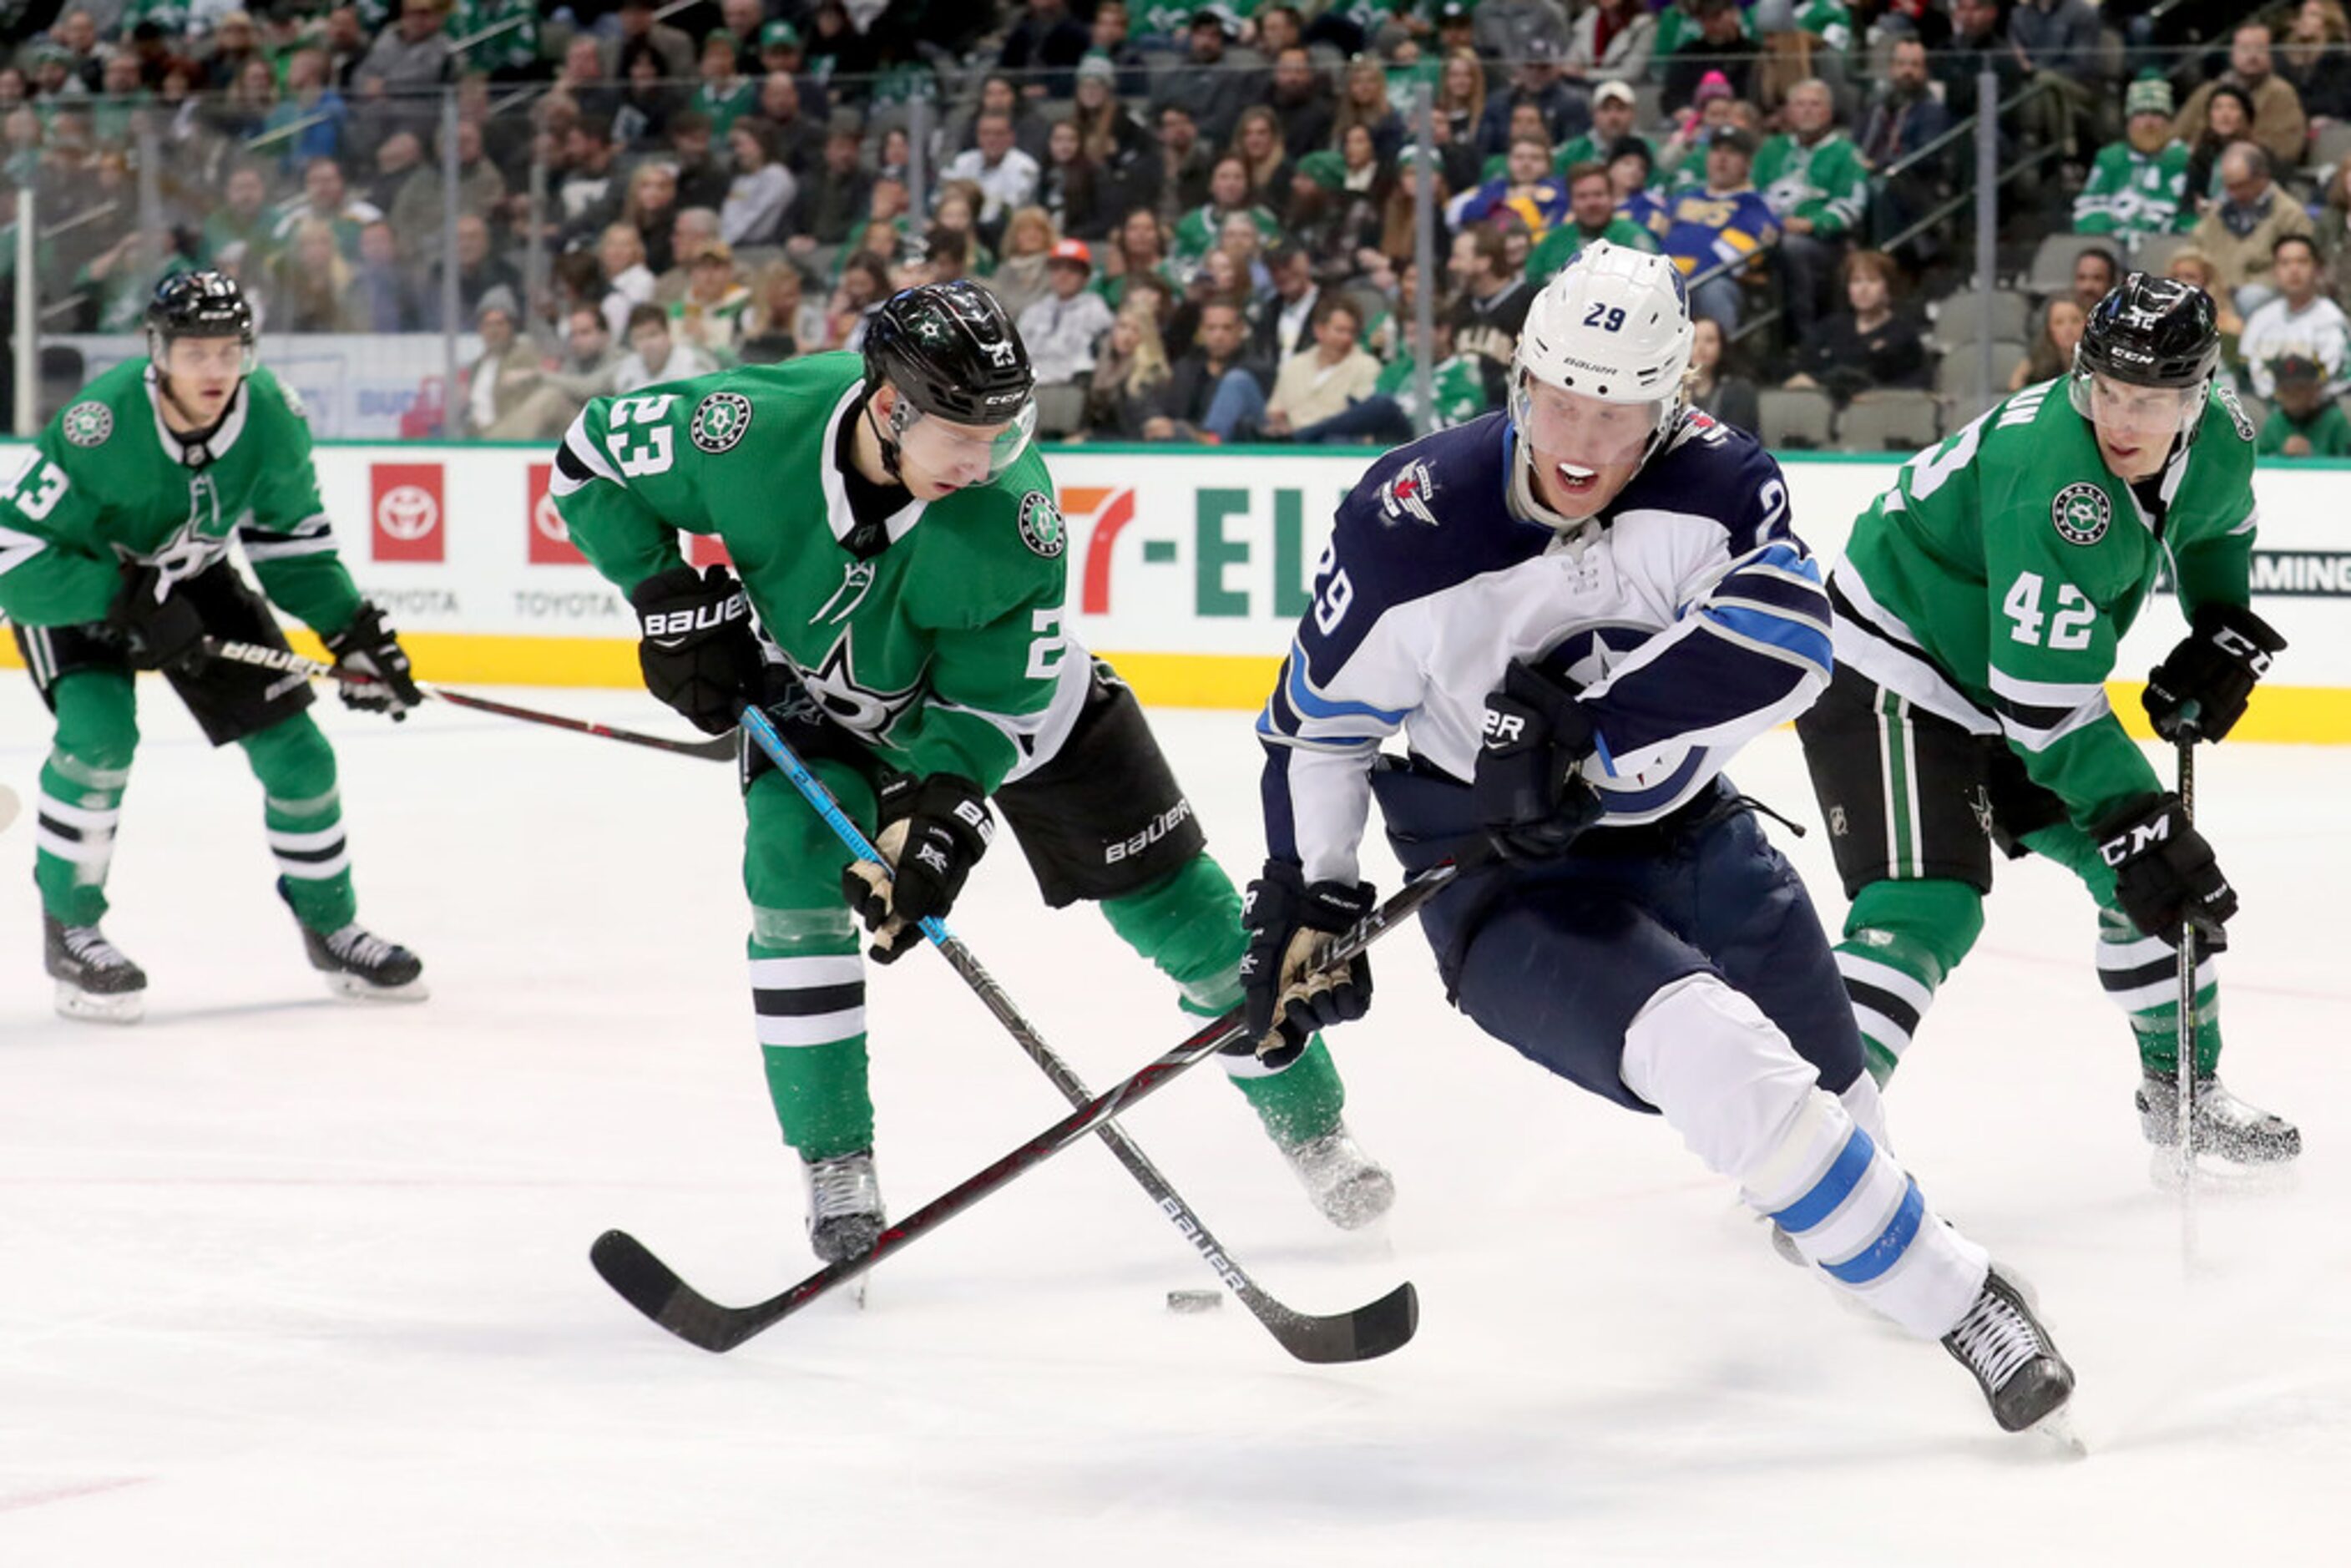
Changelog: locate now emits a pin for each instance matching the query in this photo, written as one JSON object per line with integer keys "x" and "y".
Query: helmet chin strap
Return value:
{"x": 886, "y": 440}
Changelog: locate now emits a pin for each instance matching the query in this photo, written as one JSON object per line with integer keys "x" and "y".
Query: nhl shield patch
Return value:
{"x": 1041, "y": 528}
{"x": 2082, "y": 513}
{"x": 89, "y": 424}
{"x": 719, "y": 421}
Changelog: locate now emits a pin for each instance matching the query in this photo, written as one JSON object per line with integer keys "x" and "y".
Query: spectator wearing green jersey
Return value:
{"x": 2140, "y": 185}
{"x": 1813, "y": 180}
{"x": 2304, "y": 422}
{"x": 1592, "y": 216}
{"x": 1614, "y": 109}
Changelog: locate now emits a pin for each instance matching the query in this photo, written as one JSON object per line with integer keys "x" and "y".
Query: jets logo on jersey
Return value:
{"x": 1407, "y": 495}
{"x": 719, "y": 421}
{"x": 1041, "y": 528}
{"x": 89, "y": 424}
{"x": 2082, "y": 513}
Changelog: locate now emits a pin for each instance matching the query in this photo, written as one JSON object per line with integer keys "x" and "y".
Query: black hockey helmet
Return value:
{"x": 199, "y": 305}
{"x": 2151, "y": 332}
{"x": 951, "y": 351}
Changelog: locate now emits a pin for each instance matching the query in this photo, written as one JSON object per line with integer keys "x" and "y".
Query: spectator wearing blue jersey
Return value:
{"x": 1727, "y": 221}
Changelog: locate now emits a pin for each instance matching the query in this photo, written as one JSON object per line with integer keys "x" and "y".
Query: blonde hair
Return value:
{"x": 1027, "y": 220}
{"x": 1148, "y": 367}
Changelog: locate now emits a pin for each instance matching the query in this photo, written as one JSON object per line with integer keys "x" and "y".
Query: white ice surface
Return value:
{"x": 286, "y": 1282}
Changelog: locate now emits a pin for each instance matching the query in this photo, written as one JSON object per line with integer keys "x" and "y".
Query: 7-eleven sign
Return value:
{"x": 1111, "y": 508}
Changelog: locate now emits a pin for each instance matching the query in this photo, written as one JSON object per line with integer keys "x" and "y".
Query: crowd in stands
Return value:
{"x": 1204, "y": 218}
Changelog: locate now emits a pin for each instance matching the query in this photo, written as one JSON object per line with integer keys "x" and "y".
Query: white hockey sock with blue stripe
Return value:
{"x": 1745, "y": 1103}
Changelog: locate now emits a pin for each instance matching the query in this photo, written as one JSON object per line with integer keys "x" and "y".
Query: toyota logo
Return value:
{"x": 407, "y": 512}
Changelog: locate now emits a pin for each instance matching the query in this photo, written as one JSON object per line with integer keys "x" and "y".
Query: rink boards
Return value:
{"x": 1189, "y": 568}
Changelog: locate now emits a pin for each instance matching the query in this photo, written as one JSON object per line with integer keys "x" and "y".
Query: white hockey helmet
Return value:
{"x": 1614, "y": 325}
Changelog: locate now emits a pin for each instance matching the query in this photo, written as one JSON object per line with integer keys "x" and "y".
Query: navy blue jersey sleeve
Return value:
{"x": 1749, "y": 643}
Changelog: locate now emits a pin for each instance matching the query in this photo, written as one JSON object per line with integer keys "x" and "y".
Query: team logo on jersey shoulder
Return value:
{"x": 719, "y": 421}
{"x": 1408, "y": 494}
{"x": 2237, "y": 414}
{"x": 89, "y": 424}
{"x": 1041, "y": 527}
{"x": 2082, "y": 513}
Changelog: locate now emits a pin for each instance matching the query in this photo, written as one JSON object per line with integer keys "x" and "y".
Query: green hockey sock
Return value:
{"x": 1188, "y": 923}
{"x": 1901, "y": 938}
{"x": 807, "y": 998}
{"x": 302, "y": 811}
{"x": 2139, "y": 973}
{"x": 80, "y": 803}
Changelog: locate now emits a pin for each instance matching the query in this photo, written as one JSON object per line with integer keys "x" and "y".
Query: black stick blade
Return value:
{"x": 653, "y": 1287}
{"x": 1371, "y": 1330}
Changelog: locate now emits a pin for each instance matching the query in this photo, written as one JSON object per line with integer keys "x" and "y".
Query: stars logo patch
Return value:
{"x": 89, "y": 424}
{"x": 1041, "y": 527}
{"x": 719, "y": 421}
{"x": 2082, "y": 513}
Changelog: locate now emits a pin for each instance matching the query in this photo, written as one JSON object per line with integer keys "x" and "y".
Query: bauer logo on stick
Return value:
{"x": 2082, "y": 513}
{"x": 719, "y": 421}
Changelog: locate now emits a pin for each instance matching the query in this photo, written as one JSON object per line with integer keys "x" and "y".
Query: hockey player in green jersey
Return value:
{"x": 900, "y": 613}
{"x": 1978, "y": 612}
{"x": 115, "y": 529}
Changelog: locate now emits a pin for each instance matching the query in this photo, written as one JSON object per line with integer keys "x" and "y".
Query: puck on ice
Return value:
{"x": 1194, "y": 1300}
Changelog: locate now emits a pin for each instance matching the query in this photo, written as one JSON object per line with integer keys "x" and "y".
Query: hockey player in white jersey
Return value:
{"x": 1575, "y": 612}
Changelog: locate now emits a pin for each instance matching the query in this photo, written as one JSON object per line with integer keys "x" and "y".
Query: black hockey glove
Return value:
{"x": 369, "y": 647}
{"x": 2214, "y": 668}
{"x": 695, "y": 644}
{"x": 161, "y": 628}
{"x": 1527, "y": 795}
{"x": 934, "y": 831}
{"x": 2164, "y": 873}
{"x": 1290, "y": 922}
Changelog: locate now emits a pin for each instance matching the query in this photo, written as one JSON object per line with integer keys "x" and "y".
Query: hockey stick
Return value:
{"x": 654, "y": 1289}
{"x": 1308, "y": 1338}
{"x": 2185, "y": 1052}
{"x": 718, "y": 749}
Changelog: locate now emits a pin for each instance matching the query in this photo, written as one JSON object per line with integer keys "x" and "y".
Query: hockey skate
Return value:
{"x": 2014, "y": 1361}
{"x": 1348, "y": 1186}
{"x": 845, "y": 1205}
{"x": 96, "y": 984}
{"x": 2224, "y": 1125}
{"x": 361, "y": 965}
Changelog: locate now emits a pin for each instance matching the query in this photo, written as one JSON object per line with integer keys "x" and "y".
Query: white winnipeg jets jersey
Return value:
{"x": 1691, "y": 617}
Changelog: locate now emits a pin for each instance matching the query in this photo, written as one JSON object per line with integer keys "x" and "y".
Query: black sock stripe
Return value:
{"x": 72, "y": 834}
{"x": 2144, "y": 975}
{"x": 311, "y": 857}
{"x": 1883, "y": 1001}
{"x": 808, "y": 1001}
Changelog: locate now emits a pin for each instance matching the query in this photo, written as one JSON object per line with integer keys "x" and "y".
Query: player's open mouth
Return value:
{"x": 1577, "y": 481}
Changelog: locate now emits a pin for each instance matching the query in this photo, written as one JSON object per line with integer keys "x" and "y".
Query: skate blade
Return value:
{"x": 357, "y": 989}
{"x": 2055, "y": 1431}
{"x": 2210, "y": 1176}
{"x": 91, "y": 1006}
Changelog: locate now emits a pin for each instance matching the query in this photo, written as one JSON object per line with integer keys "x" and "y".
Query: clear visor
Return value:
{"x": 2120, "y": 409}
{"x": 1580, "y": 431}
{"x": 961, "y": 453}
{"x": 190, "y": 355}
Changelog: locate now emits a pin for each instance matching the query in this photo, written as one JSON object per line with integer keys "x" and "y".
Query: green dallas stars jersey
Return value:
{"x": 2131, "y": 194}
{"x": 105, "y": 484}
{"x": 1993, "y": 581}
{"x": 1826, "y": 182}
{"x": 944, "y": 651}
